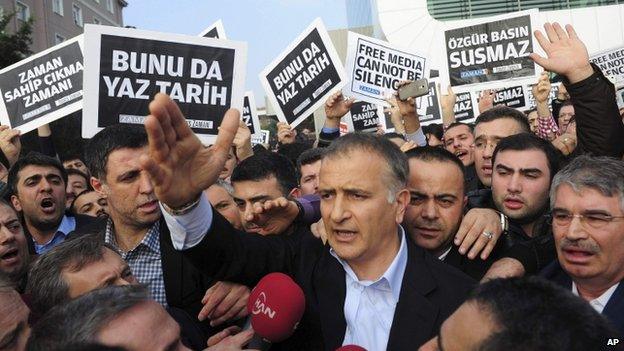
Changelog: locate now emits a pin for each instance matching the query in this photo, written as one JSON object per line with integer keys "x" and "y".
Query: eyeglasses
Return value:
{"x": 594, "y": 220}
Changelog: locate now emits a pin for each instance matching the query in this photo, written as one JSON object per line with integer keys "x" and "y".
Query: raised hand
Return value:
{"x": 486, "y": 100}
{"x": 566, "y": 53}
{"x": 179, "y": 166}
{"x": 10, "y": 143}
{"x": 541, "y": 90}
{"x": 285, "y": 134}
{"x": 337, "y": 106}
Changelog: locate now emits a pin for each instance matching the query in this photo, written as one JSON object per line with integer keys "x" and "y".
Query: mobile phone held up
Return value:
{"x": 414, "y": 89}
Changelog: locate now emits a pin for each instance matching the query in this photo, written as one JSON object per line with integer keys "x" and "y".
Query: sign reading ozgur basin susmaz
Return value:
{"x": 492, "y": 50}
{"x": 42, "y": 88}
{"x": 125, "y": 68}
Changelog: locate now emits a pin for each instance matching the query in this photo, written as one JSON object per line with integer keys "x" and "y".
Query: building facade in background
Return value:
{"x": 55, "y": 21}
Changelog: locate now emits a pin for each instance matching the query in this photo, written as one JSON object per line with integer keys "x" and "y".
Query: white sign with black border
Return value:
{"x": 492, "y": 49}
{"x": 43, "y": 88}
{"x": 376, "y": 68}
{"x": 611, "y": 63}
{"x": 216, "y": 31}
{"x": 249, "y": 114}
{"x": 303, "y": 76}
{"x": 125, "y": 68}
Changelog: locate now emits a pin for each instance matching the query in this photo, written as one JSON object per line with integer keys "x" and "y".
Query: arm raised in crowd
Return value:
{"x": 336, "y": 107}
{"x": 447, "y": 103}
{"x": 180, "y": 169}
{"x": 599, "y": 126}
{"x": 546, "y": 126}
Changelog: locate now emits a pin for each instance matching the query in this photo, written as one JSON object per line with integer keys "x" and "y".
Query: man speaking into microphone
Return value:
{"x": 368, "y": 285}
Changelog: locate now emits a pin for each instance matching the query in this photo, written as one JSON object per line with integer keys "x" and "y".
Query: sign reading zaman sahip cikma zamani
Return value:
{"x": 125, "y": 68}
{"x": 42, "y": 88}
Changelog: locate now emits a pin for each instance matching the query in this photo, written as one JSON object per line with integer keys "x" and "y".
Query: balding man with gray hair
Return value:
{"x": 587, "y": 201}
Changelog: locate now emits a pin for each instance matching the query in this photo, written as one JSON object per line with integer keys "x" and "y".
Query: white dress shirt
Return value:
{"x": 601, "y": 301}
{"x": 369, "y": 305}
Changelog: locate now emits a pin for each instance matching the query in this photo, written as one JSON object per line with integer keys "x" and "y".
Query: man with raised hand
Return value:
{"x": 360, "y": 287}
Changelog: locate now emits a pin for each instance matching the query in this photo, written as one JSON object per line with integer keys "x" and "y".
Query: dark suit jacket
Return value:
{"x": 83, "y": 225}
{"x": 430, "y": 292}
{"x": 475, "y": 268}
{"x": 613, "y": 311}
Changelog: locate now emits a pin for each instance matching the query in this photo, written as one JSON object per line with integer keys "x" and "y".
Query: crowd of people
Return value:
{"x": 505, "y": 234}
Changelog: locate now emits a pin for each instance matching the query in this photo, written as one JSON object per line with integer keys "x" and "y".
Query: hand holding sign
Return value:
{"x": 285, "y": 134}
{"x": 242, "y": 141}
{"x": 486, "y": 100}
{"x": 567, "y": 55}
{"x": 10, "y": 143}
{"x": 179, "y": 166}
{"x": 336, "y": 107}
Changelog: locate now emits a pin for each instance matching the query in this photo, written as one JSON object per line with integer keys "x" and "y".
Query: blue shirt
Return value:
{"x": 144, "y": 260}
{"x": 68, "y": 225}
{"x": 369, "y": 305}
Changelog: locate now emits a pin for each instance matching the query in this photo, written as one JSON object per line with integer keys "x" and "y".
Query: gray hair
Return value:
{"x": 396, "y": 161}
{"x": 225, "y": 185}
{"x": 604, "y": 174}
{"x": 46, "y": 285}
{"x": 80, "y": 320}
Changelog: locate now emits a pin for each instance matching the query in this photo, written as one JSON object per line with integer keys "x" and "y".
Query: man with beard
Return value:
{"x": 38, "y": 185}
{"x": 90, "y": 203}
{"x": 524, "y": 166}
{"x": 459, "y": 140}
{"x": 437, "y": 203}
{"x": 492, "y": 126}
{"x": 14, "y": 257}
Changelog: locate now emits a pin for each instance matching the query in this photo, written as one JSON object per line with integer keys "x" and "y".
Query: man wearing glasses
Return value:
{"x": 587, "y": 200}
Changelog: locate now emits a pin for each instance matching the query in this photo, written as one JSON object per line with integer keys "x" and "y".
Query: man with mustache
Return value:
{"x": 14, "y": 257}
{"x": 587, "y": 201}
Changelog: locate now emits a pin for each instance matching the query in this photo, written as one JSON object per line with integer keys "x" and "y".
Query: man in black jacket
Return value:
{"x": 135, "y": 227}
{"x": 368, "y": 285}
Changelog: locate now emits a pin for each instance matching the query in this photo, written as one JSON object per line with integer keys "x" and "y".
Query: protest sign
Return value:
{"x": 125, "y": 68}
{"x": 511, "y": 97}
{"x": 42, "y": 88}
{"x": 386, "y": 123}
{"x": 262, "y": 137}
{"x": 429, "y": 109}
{"x": 494, "y": 49}
{"x": 530, "y": 99}
{"x": 301, "y": 78}
{"x": 376, "y": 68}
{"x": 611, "y": 63}
{"x": 365, "y": 116}
{"x": 250, "y": 113}
{"x": 215, "y": 30}
{"x": 464, "y": 108}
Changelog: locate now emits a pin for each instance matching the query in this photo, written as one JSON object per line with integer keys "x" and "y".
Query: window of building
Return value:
{"x": 57, "y": 6}
{"x": 77, "y": 15}
{"x": 110, "y": 6}
{"x": 462, "y": 9}
{"x": 58, "y": 38}
{"x": 96, "y": 21}
{"x": 22, "y": 11}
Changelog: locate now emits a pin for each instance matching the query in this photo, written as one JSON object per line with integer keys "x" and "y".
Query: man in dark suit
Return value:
{"x": 369, "y": 285}
{"x": 587, "y": 199}
{"x": 136, "y": 230}
{"x": 38, "y": 191}
{"x": 436, "y": 208}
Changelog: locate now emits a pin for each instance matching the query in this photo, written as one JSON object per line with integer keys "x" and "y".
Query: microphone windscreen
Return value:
{"x": 276, "y": 305}
{"x": 351, "y": 348}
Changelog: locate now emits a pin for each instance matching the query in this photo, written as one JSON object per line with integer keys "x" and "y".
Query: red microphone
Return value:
{"x": 276, "y": 305}
{"x": 351, "y": 348}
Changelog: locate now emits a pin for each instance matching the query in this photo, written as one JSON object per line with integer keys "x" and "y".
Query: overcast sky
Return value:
{"x": 268, "y": 26}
